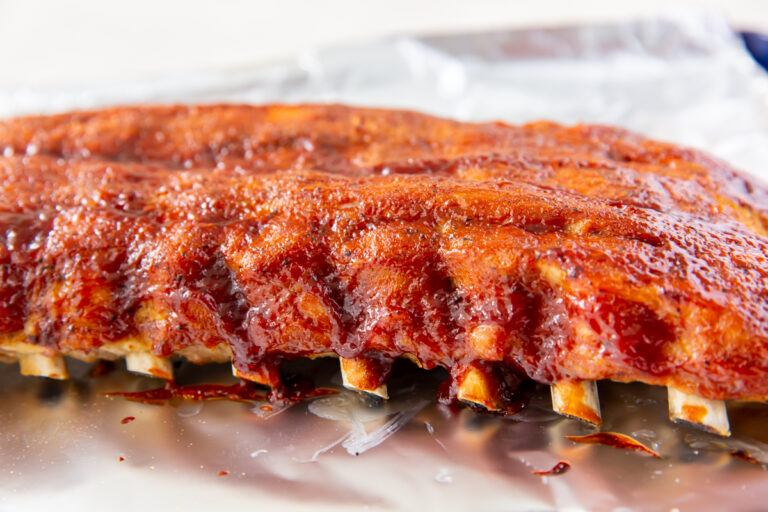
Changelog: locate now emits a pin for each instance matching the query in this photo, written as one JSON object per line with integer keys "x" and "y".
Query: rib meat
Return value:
{"x": 273, "y": 232}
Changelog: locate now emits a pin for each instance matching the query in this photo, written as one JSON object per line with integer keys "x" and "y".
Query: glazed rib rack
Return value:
{"x": 253, "y": 235}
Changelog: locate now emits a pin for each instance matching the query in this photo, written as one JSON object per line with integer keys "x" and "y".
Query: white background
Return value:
{"x": 89, "y": 42}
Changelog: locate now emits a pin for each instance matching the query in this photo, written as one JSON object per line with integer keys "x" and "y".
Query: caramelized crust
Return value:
{"x": 565, "y": 253}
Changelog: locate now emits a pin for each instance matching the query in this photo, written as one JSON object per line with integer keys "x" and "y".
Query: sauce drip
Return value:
{"x": 558, "y": 469}
{"x": 127, "y": 419}
{"x": 743, "y": 455}
{"x": 614, "y": 440}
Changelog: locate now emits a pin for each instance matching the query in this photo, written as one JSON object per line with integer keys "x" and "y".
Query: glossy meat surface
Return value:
{"x": 272, "y": 232}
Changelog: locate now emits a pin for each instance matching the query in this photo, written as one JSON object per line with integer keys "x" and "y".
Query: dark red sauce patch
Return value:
{"x": 616, "y": 441}
{"x": 745, "y": 456}
{"x": 558, "y": 469}
{"x": 243, "y": 391}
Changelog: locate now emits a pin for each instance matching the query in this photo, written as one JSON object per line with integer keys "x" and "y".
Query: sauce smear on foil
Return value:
{"x": 243, "y": 391}
{"x": 614, "y": 440}
{"x": 743, "y": 455}
{"x": 558, "y": 469}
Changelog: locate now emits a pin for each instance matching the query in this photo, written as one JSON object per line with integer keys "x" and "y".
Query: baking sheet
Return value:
{"x": 683, "y": 78}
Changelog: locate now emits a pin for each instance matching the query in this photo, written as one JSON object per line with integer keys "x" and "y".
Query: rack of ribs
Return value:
{"x": 257, "y": 234}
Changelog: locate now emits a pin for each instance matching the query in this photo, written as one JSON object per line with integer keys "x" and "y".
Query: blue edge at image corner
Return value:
{"x": 757, "y": 44}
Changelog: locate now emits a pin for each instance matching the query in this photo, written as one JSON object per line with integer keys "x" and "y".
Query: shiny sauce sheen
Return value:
{"x": 283, "y": 232}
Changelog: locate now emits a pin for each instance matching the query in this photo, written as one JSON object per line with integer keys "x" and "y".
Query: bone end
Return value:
{"x": 267, "y": 373}
{"x": 362, "y": 374}
{"x": 706, "y": 414}
{"x": 577, "y": 399}
{"x": 148, "y": 363}
{"x": 39, "y": 365}
{"x": 412, "y": 358}
{"x": 478, "y": 386}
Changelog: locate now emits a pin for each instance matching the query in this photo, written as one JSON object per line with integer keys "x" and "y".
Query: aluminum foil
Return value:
{"x": 683, "y": 78}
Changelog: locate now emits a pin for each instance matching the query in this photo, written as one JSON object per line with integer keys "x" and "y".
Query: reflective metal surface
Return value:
{"x": 62, "y": 445}
{"x": 686, "y": 79}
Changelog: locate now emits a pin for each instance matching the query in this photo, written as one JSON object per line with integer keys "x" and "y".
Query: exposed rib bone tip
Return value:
{"x": 267, "y": 373}
{"x": 39, "y": 365}
{"x": 361, "y": 374}
{"x": 477, "y": 386}
{"x": 709, "y": 415}
{"x": 149, "y": 364}
{"x": 577, "y": 399}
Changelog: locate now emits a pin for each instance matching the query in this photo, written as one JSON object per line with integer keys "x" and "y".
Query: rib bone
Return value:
{"x": 40, "y": 365}
{"x": 479, "y": 387}
{"x": 363, "y": 374}
{"x": 577, "y": 399}
{"x": 149, "y": 364}
{"x": 267, "y": 373}
{"x": 709, "y": 415}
